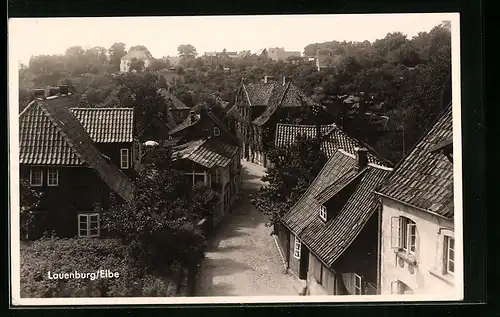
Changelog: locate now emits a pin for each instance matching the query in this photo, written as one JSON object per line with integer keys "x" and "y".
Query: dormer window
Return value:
{"x": 216, "y": 131}
{"x": 323, "y": 213}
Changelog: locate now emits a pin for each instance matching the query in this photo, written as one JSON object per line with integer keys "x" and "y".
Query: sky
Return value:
{"x": 162, "y": 35}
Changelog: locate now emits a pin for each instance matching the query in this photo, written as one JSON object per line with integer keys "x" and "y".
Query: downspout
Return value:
{"x": 379, "y": 247}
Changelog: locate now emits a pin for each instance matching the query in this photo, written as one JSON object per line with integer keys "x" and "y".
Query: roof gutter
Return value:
{"x": 410, "y": 205}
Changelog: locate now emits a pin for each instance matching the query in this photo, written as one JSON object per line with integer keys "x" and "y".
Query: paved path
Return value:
{"x": 243, "y": 259}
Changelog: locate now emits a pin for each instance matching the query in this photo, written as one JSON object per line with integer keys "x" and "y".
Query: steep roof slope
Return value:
{"x": 424, "y": 178}
{"x": 107, "y": 125}
{"x": 51, "y": 135}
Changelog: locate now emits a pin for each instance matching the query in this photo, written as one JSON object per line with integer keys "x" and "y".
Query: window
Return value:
{"x": 88, "y": 225}
{"x": 195, "y": 178}
{"x": 398, "y": 287}
{"x": 296, "y": 248}
{"x": 449, "y": 265}
{"x": 52, "y": 176}
{"x": 36, "y": 176}
{"x": 358, "y": 286}
{"x": 323, "y": 213}
{"x": 124, "y": 159}
{"x": 404, "y": 234}
{"x": 216, "y": 131}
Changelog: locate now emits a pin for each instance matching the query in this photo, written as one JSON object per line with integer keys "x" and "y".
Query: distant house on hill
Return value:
{"x": 138, "y": 54}
{"x": 279, "y": 54}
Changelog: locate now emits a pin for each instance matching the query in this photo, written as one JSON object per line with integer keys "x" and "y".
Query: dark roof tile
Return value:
{"x": 424, "y": 178}
{"x": 107, "y": 125}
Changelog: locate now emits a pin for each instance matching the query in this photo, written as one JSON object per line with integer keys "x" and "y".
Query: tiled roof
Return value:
{"x": 424, "y": 178}
{"x": 207, "y": 152}
{"x": 333, "y": 139}
{"x": 301, "y": 214}
{"x": 185, "y": 124}
{"x": 329, "y": 240}
{"x": 49, "y": 131}
{"x": 234, "y": 113}
{"x": 139, "y": 54}
{"x": 259, "y": 93}
{"x": 41, "y": 142}
{"x": 173, "y": 101}
{"x": 283, "y": 96}
{"x": 107, "y": 125}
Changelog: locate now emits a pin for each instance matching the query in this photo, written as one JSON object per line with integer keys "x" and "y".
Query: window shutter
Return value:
{"x": 395, "y": 233}
{"x": 395, "y": 287}
{"x": 412, "y": 226}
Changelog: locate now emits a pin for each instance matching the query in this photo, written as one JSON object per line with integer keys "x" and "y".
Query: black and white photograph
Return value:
{"x": 235, "y": 159}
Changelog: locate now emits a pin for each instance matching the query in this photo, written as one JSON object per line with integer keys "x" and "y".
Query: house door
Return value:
{"x": 304, "y": 263}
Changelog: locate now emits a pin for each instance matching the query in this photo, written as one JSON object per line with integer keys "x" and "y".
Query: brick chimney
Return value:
{"x": 266, "y": 79}
{"x": 39, "y": 93}
{"x": 361, "y": 157}
{"x": 318, "y": 135}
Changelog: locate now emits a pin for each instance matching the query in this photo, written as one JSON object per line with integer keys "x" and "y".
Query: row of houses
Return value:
{"x": 77, "y": 157}
{"x": 364, "y": 227}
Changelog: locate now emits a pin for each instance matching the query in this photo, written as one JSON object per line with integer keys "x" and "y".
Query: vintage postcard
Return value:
{"x": 235, "y": 159}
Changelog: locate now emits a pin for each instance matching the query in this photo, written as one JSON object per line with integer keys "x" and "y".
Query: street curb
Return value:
{"x": 281, "y": 254}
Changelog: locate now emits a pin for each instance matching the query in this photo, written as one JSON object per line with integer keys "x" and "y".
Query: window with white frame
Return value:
{"x": 404, "y": 234}
{"x": 36, "y": 176}
{"x": 323, "y": 213}
{"x": 124, "y": 159}
{"x": 196, "y": 177}
{"x": 296, "y": 248}
{"x": 52, "y": 176}
{"x": 216, "y": 131}
{"x": 358, "y": 284}
{"x": 89, "y": 225}
{"x": 449, "y": 255}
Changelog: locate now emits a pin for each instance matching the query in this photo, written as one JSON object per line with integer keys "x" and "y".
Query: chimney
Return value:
{"x": 39, "y": 93}
{"x": 266, "y": 79}
{"x": 63, "y": 89}
{"x": 286, "y": 79}
{"x": 362, "y": 157}
{"x": 192, "y": 116}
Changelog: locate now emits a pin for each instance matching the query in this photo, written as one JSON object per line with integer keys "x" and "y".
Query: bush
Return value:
{"x": 85, "y": 255}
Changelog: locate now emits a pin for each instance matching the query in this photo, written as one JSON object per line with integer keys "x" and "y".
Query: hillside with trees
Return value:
{"x": 385, "y": 93}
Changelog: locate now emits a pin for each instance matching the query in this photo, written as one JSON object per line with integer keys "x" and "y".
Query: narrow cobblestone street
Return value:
{"x": 243, "y": 259}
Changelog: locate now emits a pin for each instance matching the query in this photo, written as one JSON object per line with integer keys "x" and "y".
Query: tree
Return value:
{"x": 136, "y": 64}
{"x": 187, "y": 51}
{"x": 292, "y": 171}
{"x": 141, "y": 48}
{"x": 158, "y": 64}
{"x": 116, "y": 52}
{"x": 159, "y": 226}
{"x": 29, "y": 199}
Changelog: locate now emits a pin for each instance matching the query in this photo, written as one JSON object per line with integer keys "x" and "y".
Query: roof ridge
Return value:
{"x": 27, "y": 107}
{"x": 66, "y": 138}
{"x": 104, "y": 108}
{"x": 385, "y": 168}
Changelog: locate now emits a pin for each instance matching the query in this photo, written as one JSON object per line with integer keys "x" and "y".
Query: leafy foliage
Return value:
{"x": 159, "y": 227}
{"x": 85, "y": 256}
{"x": 292, "y": 171}
{"x": 29, "y": 198}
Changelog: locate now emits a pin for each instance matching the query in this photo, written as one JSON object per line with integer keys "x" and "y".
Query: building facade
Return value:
{"x": 209, "y": 154}
{"x": 137, "y": 54}
{"x": 417, "y": 245}
{"x": 257, "y": 110}
{"x": 62, "y": 156}
{"x": 330, "y": 235}
{"x": 279, "y": 54}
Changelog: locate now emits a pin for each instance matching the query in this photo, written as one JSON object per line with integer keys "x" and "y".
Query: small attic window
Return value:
{"x": 323, "y": 213}
{"x": 216, "y": 131}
